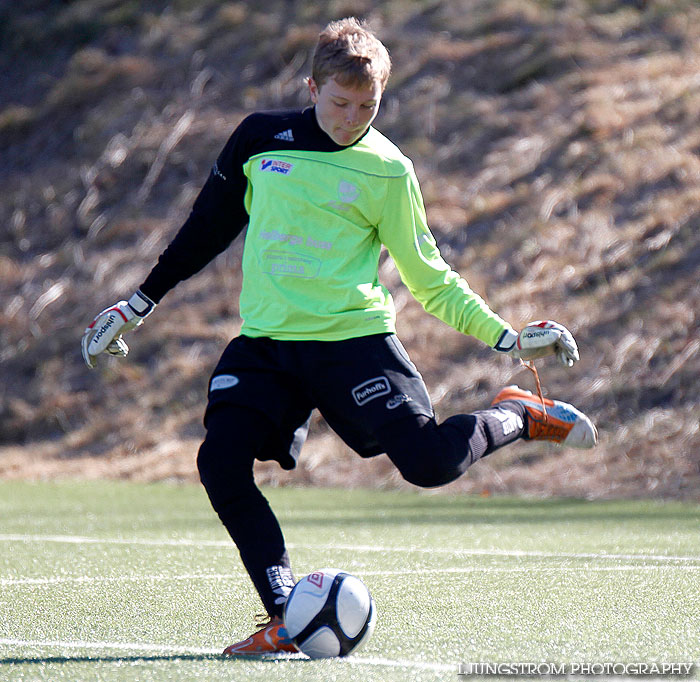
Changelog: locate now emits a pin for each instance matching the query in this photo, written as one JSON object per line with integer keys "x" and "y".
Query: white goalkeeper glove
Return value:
{"x": 104, "y": 334}
{"x": 538, "y": 340}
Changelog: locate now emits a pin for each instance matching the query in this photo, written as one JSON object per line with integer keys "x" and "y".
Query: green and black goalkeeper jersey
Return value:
{"x": 318, "y": 214}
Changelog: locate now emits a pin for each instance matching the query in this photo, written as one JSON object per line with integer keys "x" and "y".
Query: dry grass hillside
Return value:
{"x": 557, "y": 143}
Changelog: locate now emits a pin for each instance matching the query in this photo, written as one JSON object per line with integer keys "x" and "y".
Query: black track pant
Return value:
{"x": 426, "y": 454}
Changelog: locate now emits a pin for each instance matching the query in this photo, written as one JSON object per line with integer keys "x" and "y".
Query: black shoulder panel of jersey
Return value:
{"x": 218, "y": 215}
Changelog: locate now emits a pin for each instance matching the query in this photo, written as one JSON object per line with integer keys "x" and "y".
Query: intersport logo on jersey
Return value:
{"x": 275, "y": 166}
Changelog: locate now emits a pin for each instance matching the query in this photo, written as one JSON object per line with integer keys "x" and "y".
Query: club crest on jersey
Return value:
{"x": 347, "y": 194}
{"x": 275, "y": 166}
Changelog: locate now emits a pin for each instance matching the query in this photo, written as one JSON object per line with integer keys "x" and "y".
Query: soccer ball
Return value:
{"x": 329, "y": 613}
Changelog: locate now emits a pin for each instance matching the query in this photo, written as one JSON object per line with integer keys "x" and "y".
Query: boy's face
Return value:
{"x": 344, "y": 113}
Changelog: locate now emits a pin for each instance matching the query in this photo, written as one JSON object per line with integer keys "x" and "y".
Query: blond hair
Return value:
{"x": 349, "y": 52}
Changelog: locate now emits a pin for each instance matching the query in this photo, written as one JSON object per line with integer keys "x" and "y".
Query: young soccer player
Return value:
{"x": 321, "y": 191}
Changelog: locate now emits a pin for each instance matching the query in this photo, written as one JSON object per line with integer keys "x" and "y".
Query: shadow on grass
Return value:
{"x": 43, "y": 660}
{"x": 435, "y": 510}
{"x": 61, "y": 660}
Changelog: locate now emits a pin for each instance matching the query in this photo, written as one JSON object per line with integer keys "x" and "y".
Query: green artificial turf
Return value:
{"x": 122, "y": 582}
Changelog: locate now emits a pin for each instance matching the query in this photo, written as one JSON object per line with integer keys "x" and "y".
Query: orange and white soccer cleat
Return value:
{"x": 563, "y": 423}
{"x": 271, "y": 638}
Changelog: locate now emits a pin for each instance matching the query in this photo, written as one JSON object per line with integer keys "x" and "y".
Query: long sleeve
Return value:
{"x": 217, "y": 218}
{"x": 441, "y": 291}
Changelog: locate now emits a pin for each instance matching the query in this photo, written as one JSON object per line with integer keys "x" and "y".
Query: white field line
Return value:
{"x": 218, "y": 577}
{"x": 531, "y": 569}
{"x": 85, "y": 540}
{"x": 78, "y": 579}
{"x": 456, "y": 551}
{"x": 197, "y": 651}
{"x": 103, "y": 646}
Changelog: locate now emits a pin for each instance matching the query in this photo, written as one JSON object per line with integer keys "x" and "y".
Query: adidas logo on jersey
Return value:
{"x": 286, "y": 135}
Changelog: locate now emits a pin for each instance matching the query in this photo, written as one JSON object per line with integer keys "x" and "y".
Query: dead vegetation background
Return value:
{"x": 557, "y": 145}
